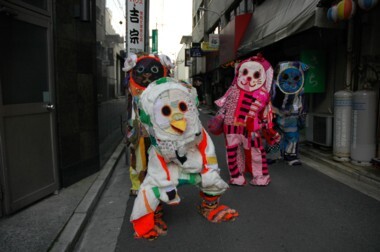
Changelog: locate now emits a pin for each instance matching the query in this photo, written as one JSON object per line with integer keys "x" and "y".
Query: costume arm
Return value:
{"x": 255, "y": 117}
{"x": 222, "y": 100}
{"x": 261, "y": 100}
{"x": 207, "y": 150}
{"x": 303, "y": 111}
{"x": 158, "y": 170}
{"x": 303, "y": 104}
{"x": 211, "y": 180}
{"x": 271, "y": 135}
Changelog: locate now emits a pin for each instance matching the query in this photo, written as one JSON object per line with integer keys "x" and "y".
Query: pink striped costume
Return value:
{"x": 248, "y": 116}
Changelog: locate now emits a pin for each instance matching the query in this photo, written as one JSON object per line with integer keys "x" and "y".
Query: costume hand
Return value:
{"x": 253, "y": 124}
{"x": 171, "y": 194}
{"x": 276, "y": 138}
{"x": 142, "y": 175}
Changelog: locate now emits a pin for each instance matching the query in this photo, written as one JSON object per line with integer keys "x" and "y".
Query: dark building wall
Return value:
{"x": 75, "y": 80}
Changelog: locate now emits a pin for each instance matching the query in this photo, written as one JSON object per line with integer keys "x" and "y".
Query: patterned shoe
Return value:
{"x": 263, "y": 180}
{"x": 151, "y": 235}
{"x": 219, "y": 214}
{"x": 159, "y": 225}
{"x": 215, "y": 213}
{"x": 294, "y": 162}
{"x": 239, "y": 181}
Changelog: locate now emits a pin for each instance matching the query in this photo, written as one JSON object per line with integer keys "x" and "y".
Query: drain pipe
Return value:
{"x": 350, "y": 37}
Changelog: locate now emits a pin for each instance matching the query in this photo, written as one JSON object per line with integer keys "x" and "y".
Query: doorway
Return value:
{"x": 28, "y": 167}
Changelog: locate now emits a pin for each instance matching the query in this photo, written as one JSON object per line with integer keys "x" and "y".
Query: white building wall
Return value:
{"x": 181, "y": 71}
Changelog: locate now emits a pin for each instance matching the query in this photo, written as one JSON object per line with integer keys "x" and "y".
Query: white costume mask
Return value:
{"x": 251, "y": 76}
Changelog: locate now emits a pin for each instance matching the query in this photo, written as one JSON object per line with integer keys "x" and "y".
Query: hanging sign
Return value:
{"x": 213, "y": 41}
{"x": 135, "y": 26}
{"x": 154, "y": 41}
{"x": 195, "y": 50}
{"x": 212, "y": 45}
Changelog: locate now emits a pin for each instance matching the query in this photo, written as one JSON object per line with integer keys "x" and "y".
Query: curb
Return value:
{"x": 71, "y": 232}
{"x": 347, "y": 168}
{"x": 345, "y": 172}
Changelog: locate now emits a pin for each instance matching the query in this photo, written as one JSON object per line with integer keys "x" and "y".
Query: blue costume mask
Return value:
{"x": 290, "y": 77}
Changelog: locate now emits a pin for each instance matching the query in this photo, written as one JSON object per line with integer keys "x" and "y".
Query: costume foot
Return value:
{"x": 218, "y": 214}
{"x": 260, "y": 180}
{"x": 160, "y": 229}
{"x": 294, "y": 162}
{"x": 151, "y": 235}
{"x": 133, "y": 193}
{"x": 160, "y": 225}
{"x": 271, "y": 161}
{"x": 239, "y": 181}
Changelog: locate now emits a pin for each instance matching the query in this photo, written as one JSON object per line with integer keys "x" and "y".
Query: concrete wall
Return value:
{"x": 88, "y": 128}
{"x": 75, "y": 59}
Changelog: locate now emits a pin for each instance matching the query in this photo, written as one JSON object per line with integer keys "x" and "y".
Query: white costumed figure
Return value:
{"x": 181, "y": 153}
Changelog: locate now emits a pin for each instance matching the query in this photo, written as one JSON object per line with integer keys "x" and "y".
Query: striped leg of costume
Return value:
{"x": 259, "y": 166}
{"x": 236, "y": 175}
{"x": 236, "y": 139}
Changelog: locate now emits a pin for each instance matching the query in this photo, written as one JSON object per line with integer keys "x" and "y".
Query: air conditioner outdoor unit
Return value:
{"x": 319, "y": 129}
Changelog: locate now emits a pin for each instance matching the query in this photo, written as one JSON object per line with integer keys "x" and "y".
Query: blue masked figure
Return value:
{"x": 289, "y": 106}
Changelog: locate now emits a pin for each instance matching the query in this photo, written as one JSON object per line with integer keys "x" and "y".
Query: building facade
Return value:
{"x": 342, "y": 54}
{"x": 62, "y": 101}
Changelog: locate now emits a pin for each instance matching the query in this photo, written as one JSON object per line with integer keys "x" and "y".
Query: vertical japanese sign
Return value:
{"x": 315, "y": 76}
{"x": 136, "y": 26}
{"x": 154, "y": 41}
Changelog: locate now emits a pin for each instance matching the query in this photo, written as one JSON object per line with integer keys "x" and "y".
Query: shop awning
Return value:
{"x": 275, "y": 20}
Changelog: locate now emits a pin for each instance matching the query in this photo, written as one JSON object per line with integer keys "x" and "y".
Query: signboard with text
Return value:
{"x": 135, "y": 26}
{"x": 315, "y": 76}
{"x": 195, "y": 50}
{"x": 213, "y": 40}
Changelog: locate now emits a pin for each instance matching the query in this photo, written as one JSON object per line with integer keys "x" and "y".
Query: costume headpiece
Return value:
{"x": 145, "y": 69}
{"x": 169, "y": 111}
{"x": 289, "y": 76}
{"x": 254, "y": 73}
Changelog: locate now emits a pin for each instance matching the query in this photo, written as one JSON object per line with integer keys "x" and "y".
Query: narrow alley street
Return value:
{"x": 301, "y": 210}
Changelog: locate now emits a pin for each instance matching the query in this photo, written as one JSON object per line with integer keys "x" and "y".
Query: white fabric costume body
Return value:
{"x": 181, "y": 153}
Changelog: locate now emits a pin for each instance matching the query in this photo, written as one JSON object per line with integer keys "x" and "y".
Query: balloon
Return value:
{"x": 332, "y": 14}
{"x": 367, "y": 4}
{"x": 346, "y": 9}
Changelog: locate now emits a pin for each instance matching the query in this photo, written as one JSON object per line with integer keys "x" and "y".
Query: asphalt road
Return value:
{"x": 301, "y": 210}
